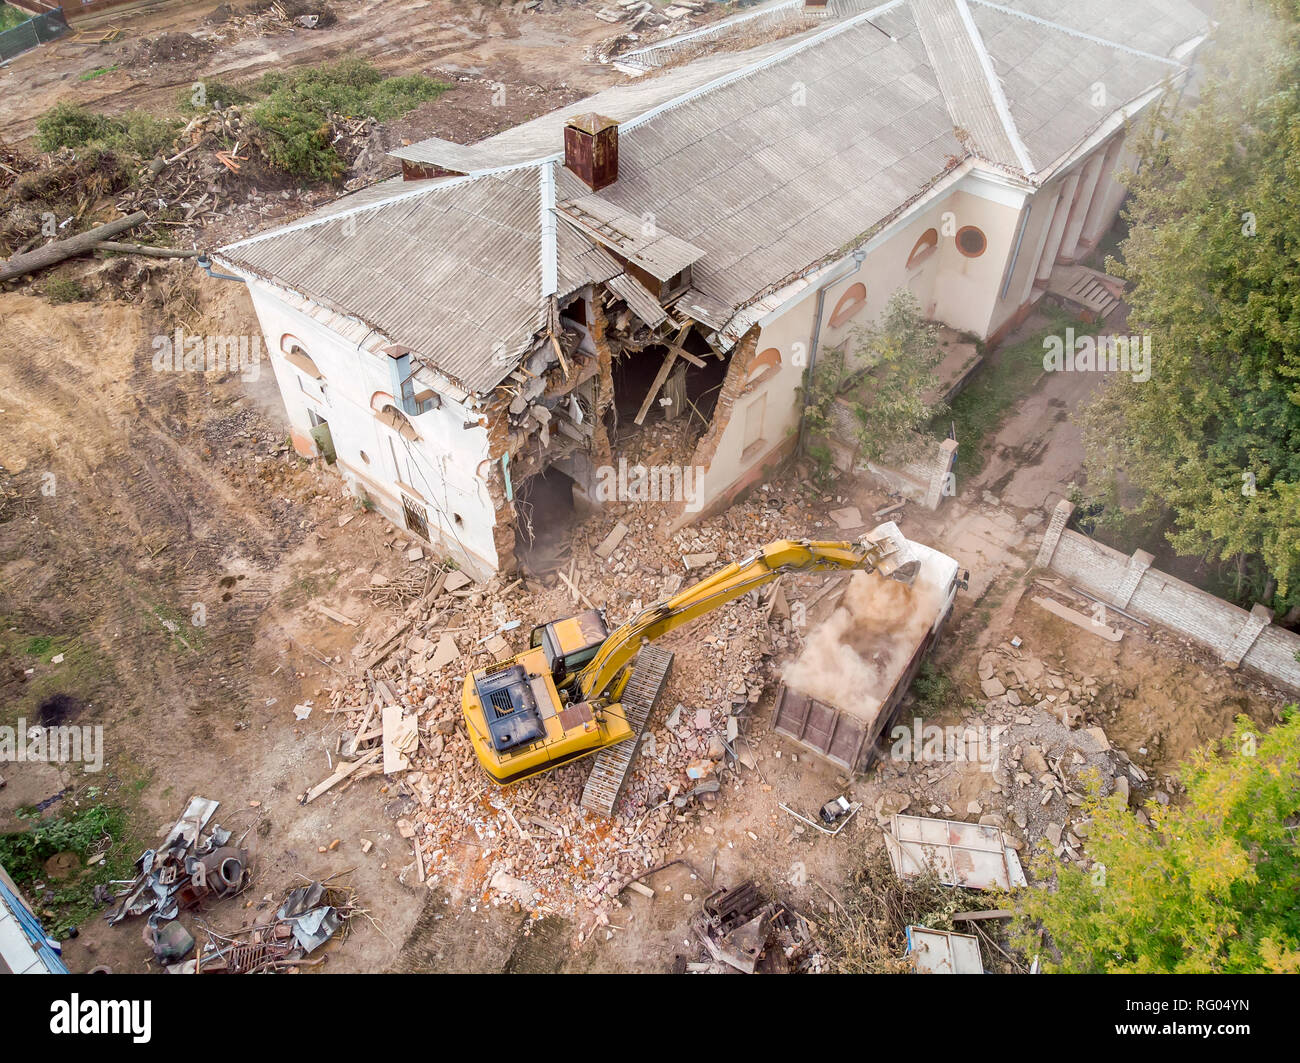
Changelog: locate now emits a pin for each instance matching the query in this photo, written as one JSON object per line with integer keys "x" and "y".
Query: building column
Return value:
{"x": 1049, "y": 213}
{"x": 1098, "y": 218}
{"x": 1062, "y": 215}
{"x": 1082, "y": 206}
{"x": 943, "y": 460}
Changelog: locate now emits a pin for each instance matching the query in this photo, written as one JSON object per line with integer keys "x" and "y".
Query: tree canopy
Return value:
{"x": 1209, "y": 886}
{"x": 1209, "y": 447}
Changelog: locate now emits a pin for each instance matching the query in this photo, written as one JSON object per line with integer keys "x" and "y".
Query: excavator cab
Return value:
{"x": 570, "y": 644}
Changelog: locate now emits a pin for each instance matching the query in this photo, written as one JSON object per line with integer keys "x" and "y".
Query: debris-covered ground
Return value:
{"x": 133, "y": 503}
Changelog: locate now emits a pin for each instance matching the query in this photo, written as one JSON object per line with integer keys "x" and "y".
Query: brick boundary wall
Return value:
{"x": 1239, "y": 638}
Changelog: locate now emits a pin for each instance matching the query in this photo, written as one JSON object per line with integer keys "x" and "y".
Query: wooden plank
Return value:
{"x": 334, "y": 614}
{"x": 1078, "y": 619}
{"x": 388, "y": 646}
{"x": 574, "y": 588}
{"x": 343, "y": 771}
{"x": 394, "y": 759}
{"x": 682, "y": 352}
{"x": 670, "y": 359}
{"x": 365, "y": 723}
{"x": 610, "y": 543}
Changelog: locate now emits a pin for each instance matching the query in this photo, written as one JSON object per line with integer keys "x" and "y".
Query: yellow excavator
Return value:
{"x": 576, "y": 690}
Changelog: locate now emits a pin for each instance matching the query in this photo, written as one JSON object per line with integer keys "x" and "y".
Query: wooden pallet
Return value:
{"x": 614, "y": 765}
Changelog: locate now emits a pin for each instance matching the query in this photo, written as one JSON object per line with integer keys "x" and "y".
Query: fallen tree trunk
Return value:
{"x": 145, "y": 249}
{"x": 53, "y": 253}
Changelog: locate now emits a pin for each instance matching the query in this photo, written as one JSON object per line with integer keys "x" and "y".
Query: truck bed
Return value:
{"x": 847, "y": 737}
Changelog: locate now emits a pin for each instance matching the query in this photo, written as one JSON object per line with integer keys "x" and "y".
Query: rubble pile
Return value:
{"x": 192, "y": 865}
{"x": 1048, "y": 755}
{"x": 281, "y": 942}
{"x": 531, "y": 844}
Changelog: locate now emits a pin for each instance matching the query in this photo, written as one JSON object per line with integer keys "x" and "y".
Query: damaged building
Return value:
{"x": 623, "y": 299}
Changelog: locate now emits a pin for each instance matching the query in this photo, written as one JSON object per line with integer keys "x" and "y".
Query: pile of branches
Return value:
{"x": 867, "y": 929}
{"x": 407, "y": 587}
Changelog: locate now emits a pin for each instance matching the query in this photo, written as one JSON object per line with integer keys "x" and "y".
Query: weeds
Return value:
{"x": 65, "y": 290}
{"x": 295, "y": 116}
{"x": 67, "y": 125}
{"x": 93, "y": 834}
{"x": 867, "y": 930}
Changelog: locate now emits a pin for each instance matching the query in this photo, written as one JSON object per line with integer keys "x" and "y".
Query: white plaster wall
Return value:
{"x": 446, "y": 467}
{"x": 950, "y": 287}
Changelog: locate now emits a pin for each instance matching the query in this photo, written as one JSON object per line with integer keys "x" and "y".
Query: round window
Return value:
{"x": 971, "y": 241}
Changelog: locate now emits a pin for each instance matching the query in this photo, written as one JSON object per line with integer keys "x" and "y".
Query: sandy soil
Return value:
{"x": 539, "y": 56}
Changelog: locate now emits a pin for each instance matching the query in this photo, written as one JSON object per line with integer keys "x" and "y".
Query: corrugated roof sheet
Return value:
{"x": 641, "y": 302}
{"x": 636, "y": 238}
{"x": 451, "y": 270}
{"x": 544, "y": 136}
{"x": 754, "y": 166}
{"x": 973, "y": 101}
{"x": 1156, "y": 26}
{"x": 1060, "y": 87}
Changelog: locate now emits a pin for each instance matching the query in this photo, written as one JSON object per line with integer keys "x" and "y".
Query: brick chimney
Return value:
{"x": 591, "y": 149}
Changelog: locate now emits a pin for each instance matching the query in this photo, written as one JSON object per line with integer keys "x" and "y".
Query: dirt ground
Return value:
{"x": 538, "y": 56}
{"x": 172, "y": 489}
{"x": 131, "y": 497}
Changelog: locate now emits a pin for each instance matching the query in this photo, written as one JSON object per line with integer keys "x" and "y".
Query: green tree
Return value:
{"x": 1208, "y": 449}
{"x": 1209, "y": 886}
{"x": 884, "y": 372}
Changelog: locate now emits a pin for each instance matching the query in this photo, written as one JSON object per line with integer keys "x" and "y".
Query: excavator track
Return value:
{"x": 613, "y": 765}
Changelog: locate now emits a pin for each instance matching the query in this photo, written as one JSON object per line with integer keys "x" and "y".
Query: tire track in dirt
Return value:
{"x": 144, "y": 524}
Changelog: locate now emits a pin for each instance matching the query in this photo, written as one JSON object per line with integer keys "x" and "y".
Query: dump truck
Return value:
{"x": 837, "y": 730}
{"x": 580, "y": 689}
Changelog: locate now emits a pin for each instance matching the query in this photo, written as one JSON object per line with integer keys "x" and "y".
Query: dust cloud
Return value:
{"x": 852, "y": 659}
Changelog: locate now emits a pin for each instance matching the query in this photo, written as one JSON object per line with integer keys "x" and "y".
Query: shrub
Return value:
{"x": 295, "y": 116}
{"x": 66, "y": 125}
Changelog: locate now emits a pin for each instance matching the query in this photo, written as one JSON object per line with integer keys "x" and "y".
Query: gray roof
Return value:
{"x": 642, "y": 303}
{"x": 1058, "y": 87}
{"x": 752, "y": 167}
{"x": 544, "y": 136}
{"x": 467, "y": 301}
{"x": 1154, "y": 26}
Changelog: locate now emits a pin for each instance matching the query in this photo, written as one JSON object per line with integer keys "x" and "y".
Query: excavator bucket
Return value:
{"x": 898, "y": 561}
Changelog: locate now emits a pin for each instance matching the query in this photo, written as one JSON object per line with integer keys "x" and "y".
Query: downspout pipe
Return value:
{"x": 847, "y": 268}
{"x": 205, "y": 263}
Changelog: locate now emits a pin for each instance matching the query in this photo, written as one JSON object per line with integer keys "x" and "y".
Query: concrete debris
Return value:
{"x": 846, "y": 519}
{"x": 416, "y": 663}
{"x": 282, "y": 941}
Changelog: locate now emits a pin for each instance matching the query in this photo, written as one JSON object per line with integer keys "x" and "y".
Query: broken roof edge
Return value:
{"x": 342, "y": 322}
{"x": 427, "y": 187}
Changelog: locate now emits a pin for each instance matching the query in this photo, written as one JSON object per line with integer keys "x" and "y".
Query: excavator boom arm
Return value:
{"x": 884, "y": 549}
